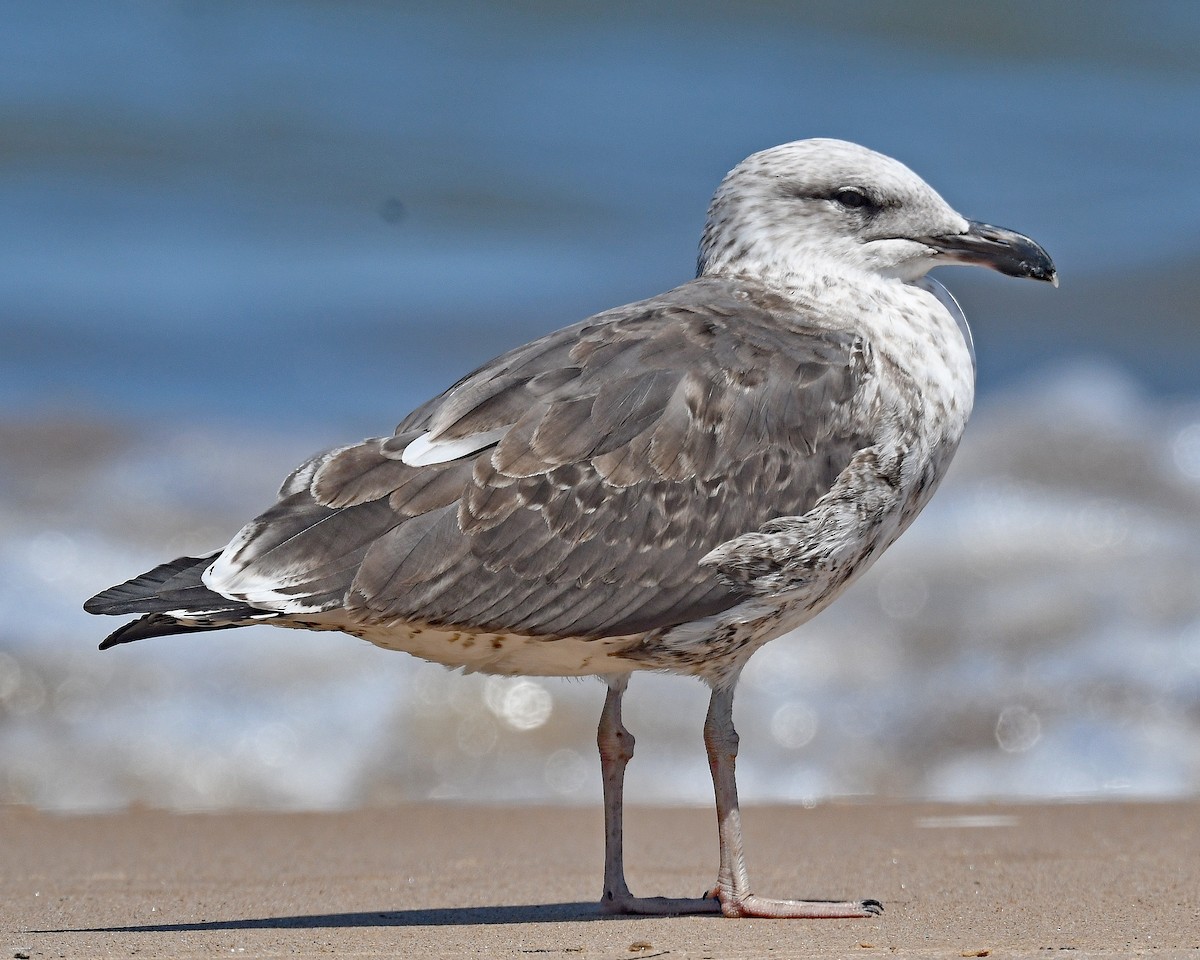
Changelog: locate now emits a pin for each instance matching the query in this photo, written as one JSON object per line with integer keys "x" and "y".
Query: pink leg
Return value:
{"x": 732, "y": 895}
{"x": 616, "y": 750}
{"x": 733, "y": 883}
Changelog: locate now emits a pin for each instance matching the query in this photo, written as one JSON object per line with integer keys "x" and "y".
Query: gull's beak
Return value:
{"x": 1009, "y": 252}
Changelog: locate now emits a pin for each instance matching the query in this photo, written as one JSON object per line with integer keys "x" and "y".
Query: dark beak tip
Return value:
{"x": 1043, "y": 270}
{"x": 1001, "y": 249}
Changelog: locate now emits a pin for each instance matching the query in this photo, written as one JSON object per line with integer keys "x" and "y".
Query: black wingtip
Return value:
{"x": 114, "y": 638}
{"x": 120, "y": 635}
{"x": 160, "y": 625}
{"x": 151, "y": 625}
{"x": 96, "y": 604}
{"x": 169, "y": 586}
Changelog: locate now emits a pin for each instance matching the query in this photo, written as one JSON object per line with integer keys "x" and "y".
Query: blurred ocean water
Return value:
{"x": 237, "y": 234}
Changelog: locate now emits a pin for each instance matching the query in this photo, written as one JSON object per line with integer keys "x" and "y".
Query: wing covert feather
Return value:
{"x": 637, "y": 442}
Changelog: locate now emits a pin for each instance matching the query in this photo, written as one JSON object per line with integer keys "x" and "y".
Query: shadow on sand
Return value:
{"x": 439, "y": 917}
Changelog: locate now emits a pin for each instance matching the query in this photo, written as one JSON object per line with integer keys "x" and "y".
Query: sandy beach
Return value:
{"x": 1113, "y": 879}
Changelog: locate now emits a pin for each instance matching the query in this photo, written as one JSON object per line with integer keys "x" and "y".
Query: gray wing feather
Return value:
{"x": 637, "y": 442}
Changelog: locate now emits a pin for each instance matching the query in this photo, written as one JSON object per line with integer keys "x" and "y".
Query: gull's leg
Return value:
{"x": 732, "y": 895}
{"x": 616, "y": 750}
{"x": 733, "y": 883}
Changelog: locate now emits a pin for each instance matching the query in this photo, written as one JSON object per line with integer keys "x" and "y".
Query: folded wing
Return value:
{"x": 572, "y": 486}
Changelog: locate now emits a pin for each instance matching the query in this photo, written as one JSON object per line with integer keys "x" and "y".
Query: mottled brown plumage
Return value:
{"x": 660, "y": 432}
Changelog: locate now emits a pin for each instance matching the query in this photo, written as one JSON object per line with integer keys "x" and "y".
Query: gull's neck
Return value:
{"x": 816, "y": 276}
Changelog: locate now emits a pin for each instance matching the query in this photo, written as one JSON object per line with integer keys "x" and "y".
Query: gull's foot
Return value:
{"x": 750, "y": 906}
{"x": 658, "y": 906}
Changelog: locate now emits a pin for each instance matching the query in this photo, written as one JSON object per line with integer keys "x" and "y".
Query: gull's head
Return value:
{"x": 820, "y": 207}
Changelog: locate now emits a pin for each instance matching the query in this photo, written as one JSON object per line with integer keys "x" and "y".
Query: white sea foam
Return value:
{"x": 1037, "y": 633}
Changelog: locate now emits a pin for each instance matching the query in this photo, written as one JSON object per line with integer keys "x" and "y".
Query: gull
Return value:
{"x": 667, "y": 485}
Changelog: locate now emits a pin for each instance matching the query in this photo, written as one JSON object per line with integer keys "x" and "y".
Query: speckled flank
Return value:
{"x": 486, "y": 652}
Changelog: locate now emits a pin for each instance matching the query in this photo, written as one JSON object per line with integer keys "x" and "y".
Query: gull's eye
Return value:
{"x": 852, "y": 198}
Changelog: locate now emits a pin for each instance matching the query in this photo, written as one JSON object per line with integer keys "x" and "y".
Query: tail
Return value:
{"x": 173, "y": 599}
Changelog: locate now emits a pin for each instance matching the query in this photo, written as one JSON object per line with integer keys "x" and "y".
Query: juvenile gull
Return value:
{"x": 665, "y": 486}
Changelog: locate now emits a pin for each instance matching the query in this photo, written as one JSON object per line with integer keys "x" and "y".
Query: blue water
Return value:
{"x": 237, "y": 233}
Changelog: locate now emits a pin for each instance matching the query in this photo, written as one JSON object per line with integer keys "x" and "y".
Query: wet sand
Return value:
{"x": 441, "y": 880}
